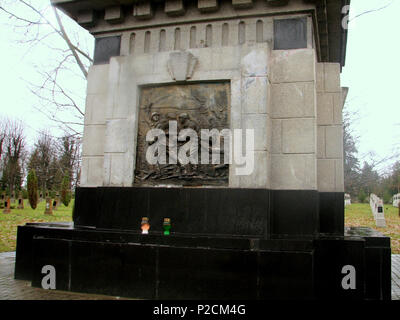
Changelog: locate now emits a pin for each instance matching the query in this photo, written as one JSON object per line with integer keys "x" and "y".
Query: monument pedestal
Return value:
{"x": 205, "y": 257}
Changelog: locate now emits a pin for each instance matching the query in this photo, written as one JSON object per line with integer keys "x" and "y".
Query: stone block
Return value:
{"x": 223, "y": 58}
{"x": 119, "y": 171}
{"x": 321, "y": 142}
{"x": 92, "y": 172}
{"x": 339, "y": 175}
{"x": 255, "y": 99}
{"x": 259, "y": 123}
{"x": 242, "y": 4}
{"x": 174, "y": 7}
{"x": 114, "y": 14}
{"x": 337, "y": 108}
{"x": 97, "y": 79}
{"x": 298, "y": 136}
{"x": 325, "y": 109}
{"x": 96, "y": 106}
{"x": 293, "y": 100}
{"x": 207, "y": 5}
{"x": 86, "y": 18}
{"x": 326, "y": 171}
{"x": 117, "y": 135}
{"x": 293, "y": 172}
{"x": 334, "y": 142}
{"x": 292, "y": 65}
{"x": 259, "y": 177}
{"x": 93, "y": 140}
{"x": 255, "y": 62}
{"x": 320, "y": 77}
{"x": 143, "y": 10}
{"x": 332, "y": 77}
{"x": 276, "y": 146}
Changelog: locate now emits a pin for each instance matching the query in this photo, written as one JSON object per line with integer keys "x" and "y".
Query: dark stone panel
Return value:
{"x": 294, "y": 213}
{"x": 286, "y": 275}
{"x": 200, "y": 267}
{"x": 290, "y": 33}
{"x": 331, "y": 255}
{"x": 23, "y": 257}
{"x": 238, "y": 212}
{"x": 54, "y": 252}
{"x": 205, "y": 211}
{"x": 113, "y": 269}
{"x": 105, "y": 48}
{"x": 187, "y": 273}
{"x": 331, "y": 213}
{"x": 85, "y": 207}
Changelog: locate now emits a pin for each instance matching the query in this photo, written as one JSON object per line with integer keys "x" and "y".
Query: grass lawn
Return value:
{"x": 9, "y": 222}
{"x": 360, "y": 215}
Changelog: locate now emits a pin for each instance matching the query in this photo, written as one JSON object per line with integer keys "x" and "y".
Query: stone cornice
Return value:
{"x": 101, "y": 16}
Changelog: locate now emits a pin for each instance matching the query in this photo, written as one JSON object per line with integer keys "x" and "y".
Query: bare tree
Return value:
{"x": 61, "y": 90}
{"x": 13, "y": 160}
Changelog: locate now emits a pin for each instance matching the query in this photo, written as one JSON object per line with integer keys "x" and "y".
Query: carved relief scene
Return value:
{"x": 187, "y": 106}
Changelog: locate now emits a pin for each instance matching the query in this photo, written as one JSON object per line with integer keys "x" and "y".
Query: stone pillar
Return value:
{"x": 49, "y": 206}
{"x": 7, "y": 206}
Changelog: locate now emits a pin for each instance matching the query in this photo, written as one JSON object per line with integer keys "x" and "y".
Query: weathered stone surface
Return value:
{"x": 292, "y": 65}
{"x": 93, "y": 140}
{"x": 143, "y": 10}
{"x": 242, "y": 4}
{"x": 260, "y": 177}
{"x": 332, "y": 77}
{"x": 98, "y": 79}
{"x": 255, "y": 63}
{"x": 174, "y": 7}
{"x": 294, "y": 172}
{"x": 207, "y": 5}
{"x": 326, "y": 173}
{"x": 298, "y": 136}
{"x": 293, "y": 100}
{"x": 276, "y": 136}
{"x": 92, "y": 171}
{"x": 334, "y": 142}
{"x": 259, "y": 123}
{"x": 114, "y": 14}
{"x": 255, "y": 95}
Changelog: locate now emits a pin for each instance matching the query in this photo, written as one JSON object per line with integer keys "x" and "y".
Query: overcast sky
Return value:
{"x": 372, "y": 73}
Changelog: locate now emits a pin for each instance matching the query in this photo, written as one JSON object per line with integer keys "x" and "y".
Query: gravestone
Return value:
{"x": 2, "y": 199}
{"x": 377, "y": 209}
{"x": 20, "y": 201}
{"x": 396, "y": 200}
{"x": 347, "y": 199}
{"x": 216, "y": 126}
{"x": 49, "y": 206}
{"x": 7, "y": 204}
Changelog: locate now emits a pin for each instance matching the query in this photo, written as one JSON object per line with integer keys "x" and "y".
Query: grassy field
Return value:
{"x": 360, "y": 215}
{"x": 9, "y": 222}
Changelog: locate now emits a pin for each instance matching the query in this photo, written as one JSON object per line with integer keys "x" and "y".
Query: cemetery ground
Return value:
{"x": 356, "y": 215}
{"x": 360, "y": 215}
{"x": 18, "y": 217}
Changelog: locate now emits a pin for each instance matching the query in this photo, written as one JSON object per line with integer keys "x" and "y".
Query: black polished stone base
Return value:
{"x": 204, "y": 267}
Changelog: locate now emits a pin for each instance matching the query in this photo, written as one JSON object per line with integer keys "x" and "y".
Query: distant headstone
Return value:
{"x": 377, "y": 210}
{"x": 20, "y": 201}
{"x": 49, "y": 206}
{"x": 7, "y": 204}
{"x": 347, "y": 199}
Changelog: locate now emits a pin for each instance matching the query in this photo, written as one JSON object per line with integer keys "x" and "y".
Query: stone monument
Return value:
{"x": 266, "y": 75}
